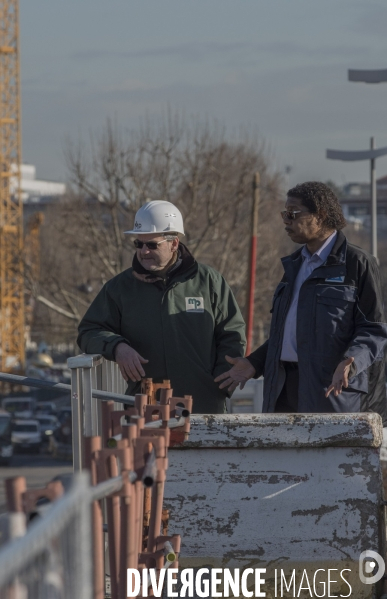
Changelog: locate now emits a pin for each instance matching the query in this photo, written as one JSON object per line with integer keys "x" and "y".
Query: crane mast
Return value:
{"x": 12, "y": 348}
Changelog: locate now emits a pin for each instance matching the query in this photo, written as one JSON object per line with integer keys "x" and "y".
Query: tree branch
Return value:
{"x": 56, "y": 308}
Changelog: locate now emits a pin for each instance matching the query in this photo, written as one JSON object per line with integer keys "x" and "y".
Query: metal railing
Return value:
{"x": 107, "y": 439}
{"x": 62, "y": 553}
{"x": 126, "y": 454}
{"x": 53, "y": 557}
{"x": 94, "y": 378}
{"x": 91, "y": 373}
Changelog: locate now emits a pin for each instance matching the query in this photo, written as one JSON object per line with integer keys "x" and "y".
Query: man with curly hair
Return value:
{"x": 325, "y": 352}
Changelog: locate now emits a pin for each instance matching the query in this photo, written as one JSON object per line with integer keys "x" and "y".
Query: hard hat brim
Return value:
{"x": 154, "y": 232}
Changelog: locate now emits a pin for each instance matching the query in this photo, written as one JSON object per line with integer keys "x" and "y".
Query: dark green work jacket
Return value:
{"x": 184, "y": 326}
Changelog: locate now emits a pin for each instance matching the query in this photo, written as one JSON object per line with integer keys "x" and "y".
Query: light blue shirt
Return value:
{"x": 309, "y": 264}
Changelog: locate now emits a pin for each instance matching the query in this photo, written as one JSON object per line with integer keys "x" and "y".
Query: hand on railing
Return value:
{"x": 130, "y": 362}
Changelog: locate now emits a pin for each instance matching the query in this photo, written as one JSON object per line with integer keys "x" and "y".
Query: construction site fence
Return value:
{"x": 91, "y": 373}
{"x": 93, "y": 378}
{"x": 125, "y": 454}
{"x": 53, "y": 556}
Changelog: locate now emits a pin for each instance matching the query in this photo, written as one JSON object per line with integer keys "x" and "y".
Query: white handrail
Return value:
{"x": 20, "y": 553}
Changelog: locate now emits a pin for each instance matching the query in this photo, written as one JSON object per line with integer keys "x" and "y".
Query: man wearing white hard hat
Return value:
{"x": 168, "y": 316}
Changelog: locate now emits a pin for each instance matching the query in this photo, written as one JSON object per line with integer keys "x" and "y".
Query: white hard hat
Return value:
{"x": 158, "y": 216}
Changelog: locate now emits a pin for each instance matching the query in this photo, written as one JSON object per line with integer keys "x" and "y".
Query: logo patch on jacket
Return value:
{"x": 194, "y": 304}
{"x": 335, "y": 279}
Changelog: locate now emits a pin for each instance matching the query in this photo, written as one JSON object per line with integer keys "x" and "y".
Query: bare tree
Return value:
{"x": 195, "y": 167}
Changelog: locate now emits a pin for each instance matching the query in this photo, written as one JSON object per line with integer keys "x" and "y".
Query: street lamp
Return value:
{"x": 370, "y": 155}
{"x": 368, "y": 76}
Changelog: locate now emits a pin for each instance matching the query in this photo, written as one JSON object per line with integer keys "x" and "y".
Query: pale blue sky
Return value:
{"x": 278, "y": 66}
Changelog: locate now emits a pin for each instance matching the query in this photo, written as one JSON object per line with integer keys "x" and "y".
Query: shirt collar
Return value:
{"x": 323, "y": 252}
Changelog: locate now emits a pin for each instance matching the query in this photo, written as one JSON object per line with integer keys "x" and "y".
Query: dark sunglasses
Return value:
{"x": 151, "y": 245}
{"x": 291, "y": 214}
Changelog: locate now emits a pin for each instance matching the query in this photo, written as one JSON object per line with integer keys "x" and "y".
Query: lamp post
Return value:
{"x": 370, "y": 155}
{"x": 368, "y": 76}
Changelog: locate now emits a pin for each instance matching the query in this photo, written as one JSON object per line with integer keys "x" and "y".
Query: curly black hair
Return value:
{"x": 318, "y": 198}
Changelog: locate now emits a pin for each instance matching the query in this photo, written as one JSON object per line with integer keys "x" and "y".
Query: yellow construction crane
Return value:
{"x": 12, "y": 349}
{"x": 31, "y": 264}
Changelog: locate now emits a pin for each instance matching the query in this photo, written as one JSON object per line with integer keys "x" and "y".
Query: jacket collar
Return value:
{"x": 184, "y": 263}
{"x": 338, "y": 253}
{"x": 337, "y": 257}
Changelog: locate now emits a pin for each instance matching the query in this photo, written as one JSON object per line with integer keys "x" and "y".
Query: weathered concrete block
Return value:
{"x": 279, "y": 491}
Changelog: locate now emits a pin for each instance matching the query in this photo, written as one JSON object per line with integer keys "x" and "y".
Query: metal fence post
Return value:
{"x": 85, "y": 548}
{"x": 109, "y": 378}
{"x": 99, "y": 385}
{"x": 90, "y": 423}
{"x": 76, "y": 421}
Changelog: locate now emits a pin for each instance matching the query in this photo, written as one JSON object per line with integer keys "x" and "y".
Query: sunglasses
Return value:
{"x": 291, "y": 214}
{"x": 151, "y": 245}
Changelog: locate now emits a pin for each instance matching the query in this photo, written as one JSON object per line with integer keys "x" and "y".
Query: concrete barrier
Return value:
{"x": 281, "y": 492}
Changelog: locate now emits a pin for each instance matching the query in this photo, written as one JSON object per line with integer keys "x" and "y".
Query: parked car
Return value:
{"x": 48, "y": 425}
{"x": 26, "y": 435}
{"x": 64, "y": 414}
{"x": 46, "y": 407}
{"x": 20, "y": 407}
{"x": 60, "y": 442}
{"x": 6, "y": 447}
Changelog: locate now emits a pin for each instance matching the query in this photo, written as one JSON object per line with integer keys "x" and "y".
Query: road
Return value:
{"x": 38, "y": 470}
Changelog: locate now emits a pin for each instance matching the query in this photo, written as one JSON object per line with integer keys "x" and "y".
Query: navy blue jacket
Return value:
{"x": 340, "y": 314}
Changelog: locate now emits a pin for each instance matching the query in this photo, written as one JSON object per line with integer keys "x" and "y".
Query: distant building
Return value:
{"x": 356, "y": 203}
{"x": 33, "y": 189}
{"x": 37, "y": 193}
